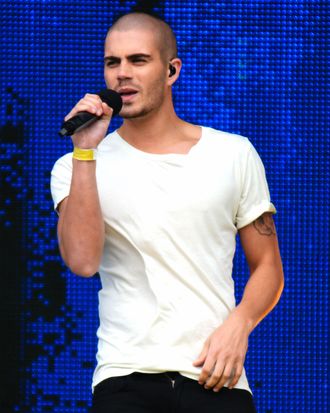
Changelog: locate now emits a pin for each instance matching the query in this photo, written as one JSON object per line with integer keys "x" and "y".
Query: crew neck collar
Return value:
{"x": 160, "y": 156}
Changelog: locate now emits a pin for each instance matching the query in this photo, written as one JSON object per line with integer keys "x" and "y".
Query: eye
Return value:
{"x": 139, "y": 60}
{"x": 110, "y": 63}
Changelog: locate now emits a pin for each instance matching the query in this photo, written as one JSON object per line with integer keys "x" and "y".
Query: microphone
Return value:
{"x": 83, "y": 119}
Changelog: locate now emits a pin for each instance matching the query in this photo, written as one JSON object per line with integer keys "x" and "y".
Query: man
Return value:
{"x": 156, "y": 215}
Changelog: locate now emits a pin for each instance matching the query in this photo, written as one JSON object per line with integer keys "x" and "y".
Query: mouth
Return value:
{"x": 127, "y": 94}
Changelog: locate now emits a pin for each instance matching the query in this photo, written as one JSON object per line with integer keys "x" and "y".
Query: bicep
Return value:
{"x": 61, "y": 210}
{"x": 259, "y": 242}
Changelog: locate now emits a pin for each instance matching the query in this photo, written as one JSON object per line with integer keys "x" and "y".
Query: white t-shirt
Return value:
{"x": 170, "y": 226}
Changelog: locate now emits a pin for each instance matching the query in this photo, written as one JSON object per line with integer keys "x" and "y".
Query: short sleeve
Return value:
{"x": 255, "y": 198}
{"x": 60, "y": 181}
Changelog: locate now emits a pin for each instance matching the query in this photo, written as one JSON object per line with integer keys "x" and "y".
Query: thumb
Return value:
{"x": 202, "y": 356}
{"x": 107, "y": 111}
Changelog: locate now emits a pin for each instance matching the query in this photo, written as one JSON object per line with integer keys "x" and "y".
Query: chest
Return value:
{"x": 148, "y": 189}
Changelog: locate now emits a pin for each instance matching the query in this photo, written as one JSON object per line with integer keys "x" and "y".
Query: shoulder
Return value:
{"x": 226, "y": 142}
{"x": 227, "y": 138}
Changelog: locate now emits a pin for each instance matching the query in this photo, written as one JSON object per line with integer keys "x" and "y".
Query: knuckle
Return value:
{"x": 205, "y": 371}
{"x": 225, "y": 354}
{"x": 214, "y": 352}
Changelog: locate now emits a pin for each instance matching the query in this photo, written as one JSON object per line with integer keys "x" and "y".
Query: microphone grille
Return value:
{"x": 112, "y": 99}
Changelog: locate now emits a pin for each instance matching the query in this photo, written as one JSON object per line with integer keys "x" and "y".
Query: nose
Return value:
{"x": 124, "y": 71}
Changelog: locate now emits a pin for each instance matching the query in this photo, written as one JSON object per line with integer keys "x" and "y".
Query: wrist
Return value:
{"x": 241, "y": 315}
{"x": 84, "y": 154}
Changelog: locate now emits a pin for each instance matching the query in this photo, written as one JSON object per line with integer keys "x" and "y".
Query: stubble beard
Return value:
{"x": 151, "y": 106}
{"x": 135, "y": 114}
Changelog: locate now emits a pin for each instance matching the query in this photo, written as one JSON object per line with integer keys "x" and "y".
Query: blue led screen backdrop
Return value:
{"x": 256, "y": 68}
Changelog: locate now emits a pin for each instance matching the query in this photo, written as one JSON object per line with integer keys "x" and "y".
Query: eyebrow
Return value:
{"x": 130, "y": 57}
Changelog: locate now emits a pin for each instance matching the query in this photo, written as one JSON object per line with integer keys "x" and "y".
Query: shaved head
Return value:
{"x": 162, "y": 31}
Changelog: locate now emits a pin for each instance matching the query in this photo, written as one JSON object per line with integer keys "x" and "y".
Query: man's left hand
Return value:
{"x": 223, "y": 354}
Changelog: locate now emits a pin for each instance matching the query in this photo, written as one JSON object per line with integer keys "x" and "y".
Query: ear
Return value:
{"x": 174, "y": 69}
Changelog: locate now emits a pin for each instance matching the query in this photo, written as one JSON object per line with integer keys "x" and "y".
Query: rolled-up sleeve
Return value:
{"x": 255, "y": 197}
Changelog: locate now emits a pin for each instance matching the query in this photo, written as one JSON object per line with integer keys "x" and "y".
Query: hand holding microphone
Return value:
{"x": 89, "y": 120}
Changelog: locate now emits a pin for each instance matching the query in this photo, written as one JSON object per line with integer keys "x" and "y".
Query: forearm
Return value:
{"x": 81, "y": 225}
{"x": 226, "y": 347}
{"x": 261, "y": 293}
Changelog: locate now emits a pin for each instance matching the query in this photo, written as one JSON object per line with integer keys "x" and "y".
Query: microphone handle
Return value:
{"x": 74, "y": 124}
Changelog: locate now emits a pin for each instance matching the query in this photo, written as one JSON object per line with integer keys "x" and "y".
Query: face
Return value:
{"x": 133, "y": 67}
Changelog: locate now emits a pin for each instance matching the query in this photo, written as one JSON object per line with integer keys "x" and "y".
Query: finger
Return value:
{"x": 216, "y": 375}
{"x": 96, "y": 102}
{"x": 107, "y": 110}
{"x": 202, "y": 356}
{"x": 90, "y": 103}
{"x": 94, "y": 99}
{"x": 235, "y": 377}
{"x": 82, "y": 108}
{"x": 85, "y": 107}
{"x": 226, "y": 375}
{"x": 207, "y": 369}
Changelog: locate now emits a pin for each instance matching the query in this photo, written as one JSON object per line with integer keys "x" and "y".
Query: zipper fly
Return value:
{"x": 171, "y": 380}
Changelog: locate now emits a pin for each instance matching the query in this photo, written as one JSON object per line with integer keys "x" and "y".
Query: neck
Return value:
{"x": 155, "y": 130}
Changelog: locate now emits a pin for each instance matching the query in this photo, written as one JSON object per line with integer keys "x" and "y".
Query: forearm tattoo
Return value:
{"x": 265, "y": 225}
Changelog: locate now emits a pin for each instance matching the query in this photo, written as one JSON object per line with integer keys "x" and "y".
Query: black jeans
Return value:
{"x": 166, "y": 393}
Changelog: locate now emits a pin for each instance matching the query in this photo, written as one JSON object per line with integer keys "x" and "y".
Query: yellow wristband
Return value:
{"x": 84, "y": 154}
